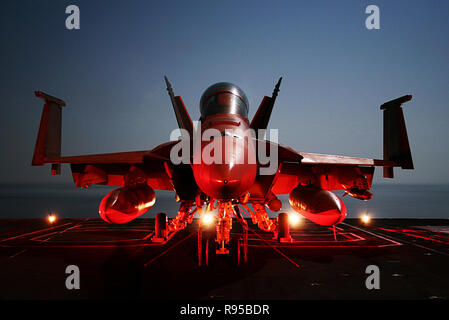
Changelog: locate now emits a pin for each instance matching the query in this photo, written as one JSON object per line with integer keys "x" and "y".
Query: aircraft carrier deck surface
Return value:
{"x": 121, "y": 261}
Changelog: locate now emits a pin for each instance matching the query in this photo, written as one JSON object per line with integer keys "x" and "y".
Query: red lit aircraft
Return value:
{"x": 225, "y": 189}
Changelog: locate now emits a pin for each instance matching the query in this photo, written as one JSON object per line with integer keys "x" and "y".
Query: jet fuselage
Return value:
{"x": 224, "y": 165}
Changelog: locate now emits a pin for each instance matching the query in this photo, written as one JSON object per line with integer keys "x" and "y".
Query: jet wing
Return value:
{"x": 327, "y": 159}
{"x": 119, "y": 157}
{"x": 327, "y": 173}
{"x": 114, "y": 168}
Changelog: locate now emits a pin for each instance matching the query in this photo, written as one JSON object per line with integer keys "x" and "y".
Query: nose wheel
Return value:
{"x": 207, "y": 245}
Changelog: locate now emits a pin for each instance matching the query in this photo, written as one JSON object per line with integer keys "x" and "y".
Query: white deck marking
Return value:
{"x": 33, "y": 232}
{"x": 374, "y": 234}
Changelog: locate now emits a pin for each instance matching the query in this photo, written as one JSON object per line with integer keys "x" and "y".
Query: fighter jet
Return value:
{"x": 224, "y": 185}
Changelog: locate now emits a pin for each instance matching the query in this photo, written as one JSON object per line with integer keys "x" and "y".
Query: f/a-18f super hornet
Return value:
{"x": 222, "y": 190}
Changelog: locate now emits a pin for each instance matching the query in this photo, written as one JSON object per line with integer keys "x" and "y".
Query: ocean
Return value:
{"x": 389, "y": 201}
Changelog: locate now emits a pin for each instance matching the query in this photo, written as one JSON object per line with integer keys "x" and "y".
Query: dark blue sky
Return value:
{"x": 336, "y": 74}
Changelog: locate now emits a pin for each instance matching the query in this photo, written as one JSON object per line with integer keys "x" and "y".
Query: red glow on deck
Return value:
{"x": 434, "y": 236}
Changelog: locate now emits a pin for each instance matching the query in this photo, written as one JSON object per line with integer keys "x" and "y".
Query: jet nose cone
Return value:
{"x": 231, "y": 173}
{"x": 224, "y": 181}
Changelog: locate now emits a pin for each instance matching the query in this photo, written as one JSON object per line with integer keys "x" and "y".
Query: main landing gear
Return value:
{"x": 214, "y": 230}
{"x": 160, "y": 228}
{"x": 283, "y": 230}
{"x": 163, "y": 227}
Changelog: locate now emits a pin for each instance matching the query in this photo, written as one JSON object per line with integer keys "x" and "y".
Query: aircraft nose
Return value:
{"x": 225, "y": 182}
{"x": 229, "y": 175}
{"x": 230, "y": 178}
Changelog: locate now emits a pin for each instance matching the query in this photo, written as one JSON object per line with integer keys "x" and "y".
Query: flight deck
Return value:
{"x": 123, "y": 261}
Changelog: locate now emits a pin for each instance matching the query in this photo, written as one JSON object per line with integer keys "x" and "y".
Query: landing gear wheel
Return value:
{"x": 283, "y": 230}
{"x": 207, "y": 246}
{"x": 160, "y": 228}
{"x": 236, "y": 252}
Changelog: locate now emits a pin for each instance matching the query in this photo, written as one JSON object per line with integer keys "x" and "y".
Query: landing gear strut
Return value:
{"x": 283, "y": 231}
{"x": 184, "y": 216}
{"x": 207, "y": 246}
{"x": 160, "y": 228}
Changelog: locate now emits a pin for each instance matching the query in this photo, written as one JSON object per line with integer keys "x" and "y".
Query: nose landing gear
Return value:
{"x": 207, "y": 246}
{"x": 216, "y": 238}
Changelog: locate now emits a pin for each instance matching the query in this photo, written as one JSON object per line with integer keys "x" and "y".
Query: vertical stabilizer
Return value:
{"x": 48, "y": 143}
{"x": 263, "y": 114}
{"x": 182, "y": 116}
{"x": 396, "y": 144}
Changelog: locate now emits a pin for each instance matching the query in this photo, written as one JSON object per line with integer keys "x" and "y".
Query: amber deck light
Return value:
{"x": 51, "y": 218}
{"x": 294, "y": 219}
{"x": 207, "y": 219}
{"x": 365, "y": 218}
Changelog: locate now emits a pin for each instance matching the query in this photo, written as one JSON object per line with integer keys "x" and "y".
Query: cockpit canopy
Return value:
{"x": 224, "y": 97}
